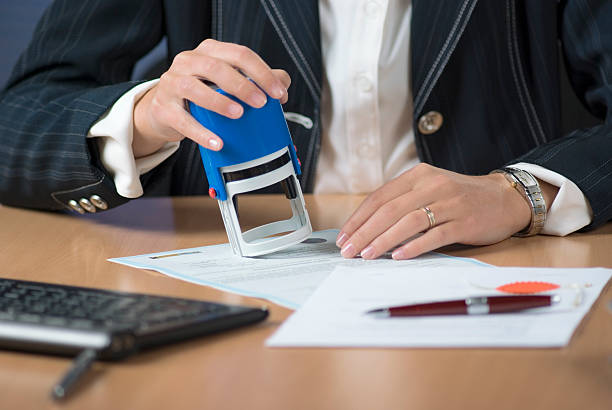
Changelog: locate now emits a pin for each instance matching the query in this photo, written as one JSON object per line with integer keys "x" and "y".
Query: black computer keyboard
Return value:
{"x": 67, "y": 319}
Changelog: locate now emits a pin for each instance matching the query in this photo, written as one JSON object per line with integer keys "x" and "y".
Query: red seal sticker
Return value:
{"x": 527, "y": 287}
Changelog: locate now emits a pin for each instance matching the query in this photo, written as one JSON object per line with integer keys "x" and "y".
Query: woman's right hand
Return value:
{"x": 161, "y": 116}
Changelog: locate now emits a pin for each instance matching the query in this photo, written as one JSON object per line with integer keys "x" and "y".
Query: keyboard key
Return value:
{"x": 26, "y": 317}
{"x": 55, "y": 321}
{"x": 81, "y": 324}
{"x": 6, "y": 315}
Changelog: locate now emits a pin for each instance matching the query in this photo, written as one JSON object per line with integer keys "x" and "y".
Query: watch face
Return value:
{"x": 522, "y": 176}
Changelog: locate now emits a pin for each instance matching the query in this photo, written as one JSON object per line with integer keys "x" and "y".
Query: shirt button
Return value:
{"x": 430, "y": 122}
{"x": 372, "y": 9}
{"x": 364, "y": 83}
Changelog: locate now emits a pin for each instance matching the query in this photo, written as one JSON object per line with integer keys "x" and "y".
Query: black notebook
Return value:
{"x": 59, "y": 319}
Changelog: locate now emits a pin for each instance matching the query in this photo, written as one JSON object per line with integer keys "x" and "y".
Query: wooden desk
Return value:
{"x": 235, "y": 370}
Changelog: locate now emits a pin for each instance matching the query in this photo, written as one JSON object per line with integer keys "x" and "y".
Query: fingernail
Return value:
{"x": 348, "y": 251}
{"x": 235, "y": 110}
{"x": 214, "y": 144}
{"x": 278, "y": 92}
{"x": 397, "y": 254}
{"x": 367, "y": 253}
{"x": 257, "y": 100}
{"x": 342, "y": 237}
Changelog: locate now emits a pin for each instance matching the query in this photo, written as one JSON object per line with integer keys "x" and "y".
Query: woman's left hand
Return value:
{"x": 472, "y": 210}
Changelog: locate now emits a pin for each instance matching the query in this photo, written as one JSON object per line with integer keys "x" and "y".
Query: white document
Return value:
{"x": 335, "y": 314}
{"x": 286, "y": 277}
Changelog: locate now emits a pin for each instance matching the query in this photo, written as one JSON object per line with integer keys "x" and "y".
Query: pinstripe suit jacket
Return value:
{"x": 489, "y": 67}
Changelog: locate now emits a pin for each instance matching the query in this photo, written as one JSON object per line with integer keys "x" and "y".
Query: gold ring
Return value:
{"x": 430, "y": 216}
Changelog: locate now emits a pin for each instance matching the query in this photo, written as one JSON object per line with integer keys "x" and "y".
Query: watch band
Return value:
{"x": 529, "y": 188}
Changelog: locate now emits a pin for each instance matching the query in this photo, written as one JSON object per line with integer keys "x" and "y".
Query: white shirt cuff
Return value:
{"x": 114, "y": 131}
{"x": 569, "y": 211}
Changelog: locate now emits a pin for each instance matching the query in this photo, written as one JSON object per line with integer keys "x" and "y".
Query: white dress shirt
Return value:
{"x": 366, "y": 110}
{"x": 367, "y": 136}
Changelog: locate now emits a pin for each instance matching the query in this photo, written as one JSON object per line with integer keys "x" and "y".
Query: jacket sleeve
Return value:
{"x": 76, "y": 66}
{"x": 585, "y": 155}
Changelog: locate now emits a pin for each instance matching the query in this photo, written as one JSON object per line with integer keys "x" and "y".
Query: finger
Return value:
{"x": 283, "y": 76}
{"x": 407, "y": 227}
{"x": 438, "y": 236}
{"x": 230, "y": 80}
{"x": 193, "y": 66}
{"x": 391, "y": 190}
{"x": 184, "y": 123}
{"x": 187, "y": 87}
{"x": 248, "y": 61}
{"x": 383, "y": 218}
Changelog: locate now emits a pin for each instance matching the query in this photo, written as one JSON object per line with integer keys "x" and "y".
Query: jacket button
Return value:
{"x": 87, "y": 205}
{"x": 75, "y": 206}
{"x": 430, "y": 122}
{"x": 98, "y": 202}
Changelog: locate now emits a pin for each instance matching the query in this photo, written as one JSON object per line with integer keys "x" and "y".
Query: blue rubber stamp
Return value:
{"x": 257, "y": 152}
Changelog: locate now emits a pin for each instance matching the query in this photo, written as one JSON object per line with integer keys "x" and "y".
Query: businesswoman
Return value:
{"x": 446, "y": 113}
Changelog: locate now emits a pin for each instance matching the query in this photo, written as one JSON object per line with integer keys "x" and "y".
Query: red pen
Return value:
{"x": 481, "y": 305}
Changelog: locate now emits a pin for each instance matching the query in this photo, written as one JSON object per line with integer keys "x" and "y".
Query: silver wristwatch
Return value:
{"x": 529, "y": 188}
